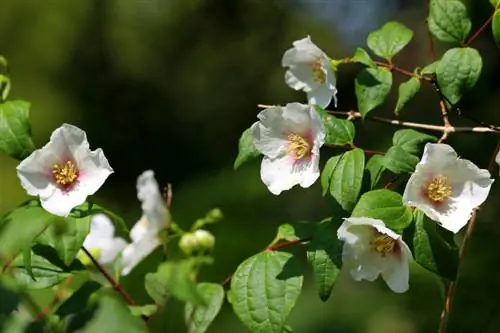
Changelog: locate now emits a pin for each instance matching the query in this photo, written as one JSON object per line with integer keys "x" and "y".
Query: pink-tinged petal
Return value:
{"x": 61, "y": 202}
{"x": 307, "y": 170}
{"x": 94, "y": 169}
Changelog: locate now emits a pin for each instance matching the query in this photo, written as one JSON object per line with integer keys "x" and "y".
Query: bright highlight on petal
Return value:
{"x": 447, "y": 188}
{"x": 101, "y": 241}
{"x": 371, "y": 249}
{"x": 65, "y": 171}
{"x": 310, "y": 70}
{"x": 289, "y": 138}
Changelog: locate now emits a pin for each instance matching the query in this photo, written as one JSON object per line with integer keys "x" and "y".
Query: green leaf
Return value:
{"x": 384, "y": 205}
{"x": 174, "y": 278}
{"x": 431, "y": 68}
{"x": 8, "y": 305}
{"x": 375, "y": 167}
{"x": 113, "y": 315}
{"x": 264, "y": 289}
{"x": 295, "y": 231}
{"x": 78, "y": 301}
{"x": 19, "y": 227}
{"x": 363, "y": 57}
{"x": 199, "y": 318}
{"x": 494, "y": 3}
{"x": 372, "y": 87}
{"x": 389, "y": 40}
{"x": 495, "y": 27}
{"x": 406, "y": 144}
{"x": 326, "y": 174}
{"x": 347, "y": 178}
{"x": 143, "y": 310}
{"x": 407, "y": 90}
{"x": 324, "y": 253}
{"x": 431, "y": 251}
{"x": 246, "y": 149}
{"x": 448, "y": 20}
{"x": 458, "y": 71}
{"x": 338, "y": 131}
{"x": 15, "y": 129}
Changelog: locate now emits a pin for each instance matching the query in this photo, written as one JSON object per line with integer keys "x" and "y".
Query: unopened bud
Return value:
{"x": 205, "y": 239}
{"x": 215, "y": 214}
{"x": 188, "y": 243}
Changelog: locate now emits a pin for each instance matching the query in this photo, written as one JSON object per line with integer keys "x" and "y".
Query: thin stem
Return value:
{"x": 117, "y": 286}
{"x": 401, "y": 71}
{"x": 368, "y": 152}
{"x": 480, "y": 30}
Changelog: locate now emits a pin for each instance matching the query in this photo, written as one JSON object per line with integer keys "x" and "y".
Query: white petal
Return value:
{"x": 301, "y": 77}
{"x": 277, "y": 174}
{"x": 269, "y": 140}
{"x": 396, "y": 274}
{"x": 303, "y": 51}
{"x": 94, "y": 169}
{"x": 111, "y": 250}
{"x": 61, "y": 202}
{"x": 152, "y": 203}
{"x": 438, "y": 156}
{"x": 134, "y": 253}
{"x": 497, "y": 158}
{"x": 101, "y": 230}
{"x": 35, "y": 172}
{"x": 412, "y": 195}
{"x": 142, "y": 229}
{"x": 366, "y": 267}
{"x": 321, "y": 96}
{"x": 298, "y": 118}
{"x": 307, "y": 170}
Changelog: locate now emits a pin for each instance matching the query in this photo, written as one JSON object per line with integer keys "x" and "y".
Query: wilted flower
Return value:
{"x": 310, "y": 70}
{"x": 447, "y": 188}
{"x": 155, "y": 217}
{"x": 290, "y": 138}
{"x": 371, "y": 249}
{"x": 65, "y": 171}
{"x": 101, "y": 241}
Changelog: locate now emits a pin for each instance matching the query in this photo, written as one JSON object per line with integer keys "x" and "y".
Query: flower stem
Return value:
{"x": 481, "y": 28}
{"x": 368, "y": 152}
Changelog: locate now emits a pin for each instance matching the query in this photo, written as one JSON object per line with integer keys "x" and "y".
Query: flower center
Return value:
{"x": 65, "y": 174}
{"x": 438, "y": 189}
{"x": 298, "y": 146}
{"x": 383, "y": 244}
{"x": 318, "y": 72}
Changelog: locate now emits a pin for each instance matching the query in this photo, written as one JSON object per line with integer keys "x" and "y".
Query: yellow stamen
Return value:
{"x": 383, "y": 244}
{"x": 318, "y": 73}
{"x": 65, "y": 174}
{"x": 298, "y": 146}
{"x": 438, "y": 189}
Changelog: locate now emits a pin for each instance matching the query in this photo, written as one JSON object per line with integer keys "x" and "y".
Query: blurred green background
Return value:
{"x": 170, "y": 85}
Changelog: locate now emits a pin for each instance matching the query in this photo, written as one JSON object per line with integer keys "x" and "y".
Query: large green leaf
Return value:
{"x": 246, "y": 149}
{"x": 339, "y": 132}
{"x": 448, "y": 20}
{"x": 112, "y": 315}
{"x": 264, "y": 290}
{"x": 431, "y": 251}
{"x": 458, "y": 71}
{"x": 389, "y": 40}
{"x": 347, "y": 178}
{"x": 372, "y": 86}
{"x": 375, "y": 167}
{"x": 326, "y": 174}
{"x": 199, "y": 318}
{"x": 407, "y": 90}
{"x": 15, "y": 129}
{"x": 324, "y": 253}
{"x": 385, "y": 205}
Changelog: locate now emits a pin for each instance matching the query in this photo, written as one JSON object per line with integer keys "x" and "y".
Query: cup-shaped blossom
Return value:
{"x": 155, "y": 217}
{"x": 371, "y": 249}
{"x": 447, "y": 188}
{"x": 310, "y": 70}
{"x": 65, "y": 171}
{"x": 101, "y": 241}
{"x": 289, "y": 138}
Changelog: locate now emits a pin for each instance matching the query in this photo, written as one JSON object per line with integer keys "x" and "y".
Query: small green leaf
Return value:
{"x": 458, "y": 71}
{"x": 264, "y": 290}
{"x": 431, "y": 251}
{"x": 174, "y": 278}
{"x": 295, "y": 231}
{"x": 199, "y": 318}
{"x": 15, "y": 129}
{"x": 338, "y": 131}
{"x": 112, "y": 315}
{"x": 389, "y": 40}
{"x": 326, "y": 174}
{"x": 495, "y": 27}
{"x": 384, "y": 205}
{"x": 246, "y": 149}
{"x": 324, "y": 253}
{"x": 363, "y": 57}
{"x": 375, "y": 167}
{"x": 431, "y": 68}
{"x": 143, "y": 310}
{"x": 407, "y": 90}
{"x": 372, "y": 87}
{"x": 78, "y": 301}
{"x": 347, "y": 178}
{"x": 448, "y": 20}
{"x": 410, "y": 140}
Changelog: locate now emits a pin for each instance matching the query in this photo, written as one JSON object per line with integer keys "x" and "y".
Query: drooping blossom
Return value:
{"x": 101, "y": 241}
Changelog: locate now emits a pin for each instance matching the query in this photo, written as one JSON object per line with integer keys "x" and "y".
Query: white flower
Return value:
{"x": 101, "y": 240}
{"x": 371, "y": 249}
{"x": 65, "y": 171}
{"x": 155, "y": 217}
{"x": 290, "y": 138}
{"x": 310, "y": 70}
{"x": 447, "y": 188}
{"x": 497, "y": 158}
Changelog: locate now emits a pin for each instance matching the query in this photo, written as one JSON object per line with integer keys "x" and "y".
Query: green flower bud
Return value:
{"x": 205, "y": 239}
{"x": 189, "y": 243}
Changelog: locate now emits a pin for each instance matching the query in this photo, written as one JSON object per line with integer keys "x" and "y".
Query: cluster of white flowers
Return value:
{"x": 65, "y": 172}
{"x": 445, "y": 187}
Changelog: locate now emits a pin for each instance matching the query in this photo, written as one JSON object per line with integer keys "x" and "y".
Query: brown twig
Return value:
{"x": 481, "y": 28}
{"x": 273, "y": 247}
{"x": 60, "y": 294}
{"x": 368, "y": 152}
{"x": 167, "y": 195}
{"x": 401, "y": 71}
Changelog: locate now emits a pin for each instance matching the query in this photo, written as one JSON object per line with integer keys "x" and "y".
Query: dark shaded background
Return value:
{"x": 170, "y": 85}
